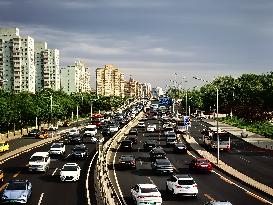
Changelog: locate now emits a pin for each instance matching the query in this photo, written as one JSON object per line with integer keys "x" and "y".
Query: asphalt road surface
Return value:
{"x": 214, "y": 186}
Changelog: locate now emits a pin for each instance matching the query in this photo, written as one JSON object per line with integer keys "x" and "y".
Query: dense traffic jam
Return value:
{"x": 98, "y": 130}
{"x": 159, "y": 119}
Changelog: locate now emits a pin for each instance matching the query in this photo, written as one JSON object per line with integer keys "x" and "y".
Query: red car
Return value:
{"x": 200, "y": 164}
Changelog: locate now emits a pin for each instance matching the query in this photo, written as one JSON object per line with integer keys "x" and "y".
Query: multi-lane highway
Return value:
{"x": 214, "y": 186}
{"x": 255, "y": 162}
{"x": 47, "y": 187}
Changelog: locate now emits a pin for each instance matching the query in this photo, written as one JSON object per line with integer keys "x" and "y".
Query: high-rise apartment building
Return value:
{"x": 47, "y": 67}
{"x": 109, "y": 81}
{"x": 75, "y": 78}
{"x": 17, "y": 65}
{"x": 132, "y": 88}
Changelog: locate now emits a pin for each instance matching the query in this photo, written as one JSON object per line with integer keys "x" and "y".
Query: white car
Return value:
{"x": 146, "y": 194}
{"x": 57, "y": 148}
{"x": 90, "y": 130}
{"x": 151, "y": 128}
{"x": 53, "y": 128}
{"x": 182, "y": 184}
{"x": 70, "y": 172}
{"x": 39, "y": 161}
{"x": 97, "y": 139}
{"x": 141, "y": 124}
{"x": 74, "y": 130}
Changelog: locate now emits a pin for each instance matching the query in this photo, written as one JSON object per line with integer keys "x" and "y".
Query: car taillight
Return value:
{"x": 177, "y": 186}
{"x": 195, "y": 185}
{"x": 141, "y": 197}
{"x": 133, "y": 162}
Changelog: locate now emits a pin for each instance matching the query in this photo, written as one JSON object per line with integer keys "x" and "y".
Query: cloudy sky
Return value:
{"x": 152, "y": 39}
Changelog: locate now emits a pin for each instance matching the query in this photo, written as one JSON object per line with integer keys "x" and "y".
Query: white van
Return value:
{"x": 39, "y": 161}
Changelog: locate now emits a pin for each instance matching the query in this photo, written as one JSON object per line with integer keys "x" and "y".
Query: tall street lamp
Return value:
{"x": 217, "y": 112}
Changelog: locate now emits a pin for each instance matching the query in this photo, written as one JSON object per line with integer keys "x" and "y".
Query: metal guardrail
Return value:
{"x": 106, "y": 193}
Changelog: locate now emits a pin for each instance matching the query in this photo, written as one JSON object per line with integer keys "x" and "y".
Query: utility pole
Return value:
{"x": 218, "y": 143}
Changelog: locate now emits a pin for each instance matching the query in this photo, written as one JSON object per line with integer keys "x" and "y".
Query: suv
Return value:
{"x": 17, "y": 191}
{"x": 70, "y": 172}
{"x": 133, "y": 138}
{"x": 200, "y": 164}
{"x": 74, "y": 139}
{"x": 57, "y": 148}
{"x": 90, "y": 130}
{"x": 182, "y": 184}
{"x": 127, "y": 161}
{"x": 33, "y": 133}
{"x": 146, "y": 194}
{"x": 126, "y": 145}
{"x": 133, "y": 131}
{"x": 39, "y": 161}
{"x": 149, "y": 145}
{"x": 162, "y": 166}
{"x": 218, "y": 203}
{"x": 141, "y": 124}
{"x": 80, "y": 151}
{"x": 157, "y": 153}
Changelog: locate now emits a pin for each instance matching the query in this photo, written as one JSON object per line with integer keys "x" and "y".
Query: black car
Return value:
{"x": 73, "y": 139}
{"x": 162, "y": 166}
{"x": 126, "y": 145}
{"x": 133, "y": 138}
{"x": 33, "y": 133}
{"x": 149, "y": 145}
{"x": 80, "y": 151}
{"x": 127, "y": 162}
{"x": 180, "y": 148}
{"x": 106, "y": 132}
{"x": 157, "y": 153}
{"x": 133, "y": 131}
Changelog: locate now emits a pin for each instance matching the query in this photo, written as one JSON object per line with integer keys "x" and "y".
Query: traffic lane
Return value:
{"x": 16, "y": 168}
{"x": 255, "y": 164}
{"x": 181, "y": 162}
{"x": 210, "y": 186}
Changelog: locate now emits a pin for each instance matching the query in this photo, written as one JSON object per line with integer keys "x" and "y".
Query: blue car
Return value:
{"x": 17, "y": 191}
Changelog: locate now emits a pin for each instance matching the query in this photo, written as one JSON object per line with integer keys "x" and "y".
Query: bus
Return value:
{"x": 210, "y": 138}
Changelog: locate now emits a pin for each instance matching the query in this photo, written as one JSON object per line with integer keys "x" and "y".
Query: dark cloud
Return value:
{"x": 144, "y": 37}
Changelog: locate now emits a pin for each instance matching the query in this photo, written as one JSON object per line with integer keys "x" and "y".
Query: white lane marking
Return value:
{"x": 87, "y": 179}
{"x": 151, "y": 180}
{"x": 242, "y": 188}
{"x": 237, "y": 185}
{"x": 41, "y": 198}
{"x": 67, "y": 156}
{"x": 54, "y": 171}
{"x": 244, "y": 159}
{"x": 116, "y": 180}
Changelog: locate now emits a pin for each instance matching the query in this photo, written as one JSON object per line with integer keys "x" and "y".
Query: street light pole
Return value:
{"x": 186, "y": 103}
{"x": 218, "y": 143}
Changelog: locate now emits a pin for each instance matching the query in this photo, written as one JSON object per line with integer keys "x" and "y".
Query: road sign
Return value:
{"x": 165, "y": 101}
{"x": 187, "y": 120}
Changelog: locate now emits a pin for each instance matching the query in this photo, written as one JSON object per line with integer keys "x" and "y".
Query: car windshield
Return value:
{"x": 180, "y": 145}
{"x": 127, "y": 158}
{"x": 202, "y": 161}
{"x": 126, "y": 142}
{"x": 79, "y": 149}
{"x": 16, "y": 186}
{"x": 222, "y": 137}
{"x": 36, "y": 158}
{"x": 164, "y": 162}
{"x": 56, "y": 145}
{"x": 148, "y": 190}
{"x": 2, "y": 144}
{"x": 34, "y": 131}
{"x": 90, "y": 129}
{"x": 169, "y": 129}
{"x": 69, "y": 168}
{"x": 73, "y": 130}
{"x": 186, "y": 182}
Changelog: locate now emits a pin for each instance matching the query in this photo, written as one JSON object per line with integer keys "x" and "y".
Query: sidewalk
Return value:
{"x": 252, "y": 138}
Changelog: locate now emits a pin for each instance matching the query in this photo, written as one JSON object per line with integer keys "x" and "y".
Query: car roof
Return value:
{"x": 71, "y": 164}
{"x": 43, "y": 154}
{"x": 147, "y": 186}
{"x": 182, "y": 176}
{"x": 220, "y": 203}
{"x": 163, "y": 160}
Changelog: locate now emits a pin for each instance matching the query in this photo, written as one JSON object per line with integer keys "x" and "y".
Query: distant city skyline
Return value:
{"x": 151, "y": 40}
